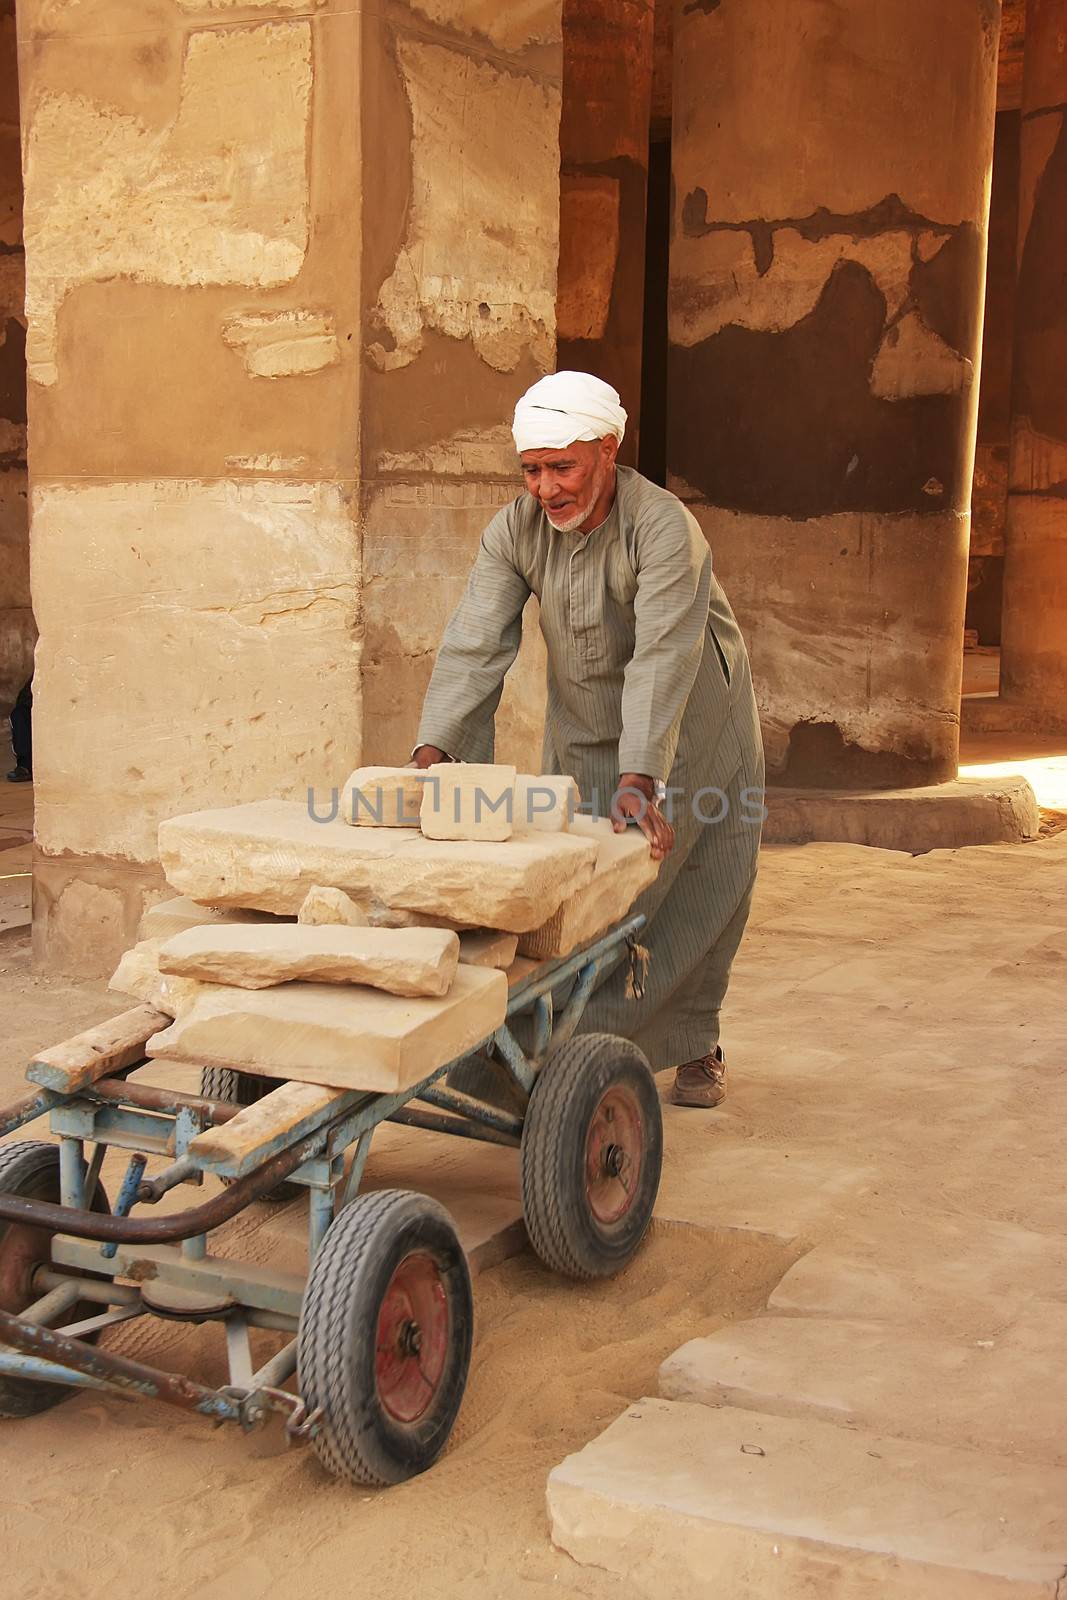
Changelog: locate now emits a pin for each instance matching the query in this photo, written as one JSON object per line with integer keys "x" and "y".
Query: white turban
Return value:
{"x": 564, "y": 407}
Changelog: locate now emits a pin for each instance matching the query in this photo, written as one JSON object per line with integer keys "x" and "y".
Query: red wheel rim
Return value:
{"x": 412, "y": 1340}
{"x": 614, "y": 1151}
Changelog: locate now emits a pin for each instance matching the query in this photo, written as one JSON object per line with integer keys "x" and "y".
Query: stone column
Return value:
{"x": 287, "y": 270}
{"x": 831, "y": 173}
{"x": 1033, "y": 674}
{"x": 16, "y": 618}
{"x": 460, "y": 247}
{"x": 607, "y": 92}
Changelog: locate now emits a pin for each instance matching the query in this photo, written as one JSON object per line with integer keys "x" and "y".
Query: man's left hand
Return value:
{"x": 636, "y": 798}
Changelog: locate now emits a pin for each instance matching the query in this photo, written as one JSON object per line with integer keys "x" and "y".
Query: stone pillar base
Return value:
{"x": 86, "y": 910}
{"x": 1001, "y": 714}
{"x": 943, "y": 816}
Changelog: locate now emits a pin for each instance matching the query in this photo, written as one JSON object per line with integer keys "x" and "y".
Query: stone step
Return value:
{"x": 683, "y": 1501}
{"x": 1007, "y": 1393}
{"x": 944, "y": 1274}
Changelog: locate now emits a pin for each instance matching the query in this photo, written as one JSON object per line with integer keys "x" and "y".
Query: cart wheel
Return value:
{"x": 244, "y": 1089}
{"x": 385, "y": 1337}
{"x": 30, "y": 1168}
{"x": 592, "y": 1148}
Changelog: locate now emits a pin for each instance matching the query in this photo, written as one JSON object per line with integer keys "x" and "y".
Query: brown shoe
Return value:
{"x": 701, "y": 1083}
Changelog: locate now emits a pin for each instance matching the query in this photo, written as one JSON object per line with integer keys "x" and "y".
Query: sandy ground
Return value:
{"x": 105, "y": 1496}
{"x": 895, "y": 1035}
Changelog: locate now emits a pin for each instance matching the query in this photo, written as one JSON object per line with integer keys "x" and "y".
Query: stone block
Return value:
{"x": 482, "y": 947}
{"x": 624, "y": 867}
{"x": 406, "y": 961}
{"x": 269, "y": 853}
{"x": 323, "y": 908}
{"x": 260, "y": 575}
{"x": 936, "y": 1269}
{"x": 942, "y": 816}
{"x": 383, "y": 797}
{"x": 469, "y": 800}
{"x": 138, "y": 974}
{"x": 686, "y": 1501}
{"x": 545, "y": 804}
{"x": 1006, "y": 1393}
{"x": 168, "y": 917}
{"x": 341, "y": 1038}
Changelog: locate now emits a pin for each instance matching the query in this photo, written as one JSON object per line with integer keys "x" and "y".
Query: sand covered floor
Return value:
{"x": 895, "y": 1039}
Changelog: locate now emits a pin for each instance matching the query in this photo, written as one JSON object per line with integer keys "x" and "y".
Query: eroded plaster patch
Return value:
{"x": 467, "y": 453}
{"x": 220, "y": 196}
{"x": 286, "y": 465}
{"x": 208, "y": 634}
{"x": 1038, "y": 462}
{"x": 478, "y": 261}
{"x": 719, "y": 284}
{"x": 250, "y": 5}
{"x": 511, "y": 26}
{"x": 283, "y": 344}
{"x": 913, "y": 360}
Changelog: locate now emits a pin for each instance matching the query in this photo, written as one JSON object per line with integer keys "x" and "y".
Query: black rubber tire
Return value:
{"x": 30, "y": 1168}
{"x": 244, "y": 1089}
{"x": 338, "y": 1356}
{"x": 563, "y": 1226}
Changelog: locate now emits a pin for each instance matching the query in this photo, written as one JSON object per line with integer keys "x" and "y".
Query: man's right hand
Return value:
{"x": 428, "y": 755}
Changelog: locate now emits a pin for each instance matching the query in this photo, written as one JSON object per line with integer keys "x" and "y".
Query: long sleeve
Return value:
{"x": 479, "y": 645}
{"x": 671, "y": 616}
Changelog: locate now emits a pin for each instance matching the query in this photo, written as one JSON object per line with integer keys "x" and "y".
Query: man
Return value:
{"x": 648, "y": 685}
{"x": 22, "y": 736}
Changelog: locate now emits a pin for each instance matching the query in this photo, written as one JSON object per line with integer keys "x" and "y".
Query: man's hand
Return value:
{"x": 636, "y": 798}
{"x": 428, "y": 755}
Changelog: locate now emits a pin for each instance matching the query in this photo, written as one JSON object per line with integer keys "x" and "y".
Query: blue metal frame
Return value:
{"x": 251, "y": 1295}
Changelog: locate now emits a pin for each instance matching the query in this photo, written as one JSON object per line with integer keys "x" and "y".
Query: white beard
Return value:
{"x": 574, "y": 519}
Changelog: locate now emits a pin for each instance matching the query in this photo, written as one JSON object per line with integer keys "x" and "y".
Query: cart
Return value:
{"x": 381, "y": 1323}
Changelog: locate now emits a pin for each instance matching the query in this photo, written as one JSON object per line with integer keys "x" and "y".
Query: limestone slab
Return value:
{"x": 482, "y": 947}
{"x": 1006, "y": 1393}
{"x": 138, "y": 974}
{"x": 168, "y": 917}
{"x": 269, "y": 853}
{"x": 322, "y": 908}
{"x": 341, "y": 1038}
{"x": 405, "y": 961}
{"x": 383, "y": 797}
{"x": 688, "y": 1501}
{"x": 969, "y": 811}
{"x": 470, "y": 800}
{"x": 624, "y": 867}
{"x": 941, "y": 1271}
{"x": 545, "y": 804}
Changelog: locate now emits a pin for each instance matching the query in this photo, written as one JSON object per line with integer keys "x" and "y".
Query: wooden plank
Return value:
{"x": 108, "y": 1047}
{"x": 256, "y": 1127}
